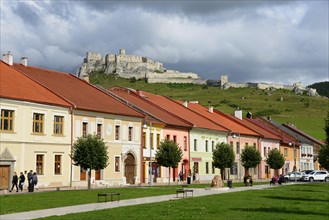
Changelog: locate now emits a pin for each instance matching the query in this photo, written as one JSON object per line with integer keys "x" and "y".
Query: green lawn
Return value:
{"x": 43, "y": 200}
{"x": 308, "y": 201}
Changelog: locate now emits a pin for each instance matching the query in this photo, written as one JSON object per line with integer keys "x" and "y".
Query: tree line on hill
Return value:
{"x": 322, "y": 88}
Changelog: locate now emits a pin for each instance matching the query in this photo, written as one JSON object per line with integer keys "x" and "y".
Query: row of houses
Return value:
{"x": 44, "y": 111}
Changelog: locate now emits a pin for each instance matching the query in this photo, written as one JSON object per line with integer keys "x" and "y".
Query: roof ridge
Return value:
{"x": 229, "y": 130}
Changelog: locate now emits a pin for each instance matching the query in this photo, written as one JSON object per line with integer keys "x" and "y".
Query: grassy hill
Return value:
{"x": 307, "y": 113}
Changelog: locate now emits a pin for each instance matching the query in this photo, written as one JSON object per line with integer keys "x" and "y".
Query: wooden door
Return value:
{"x": 82, "y": 174}
{"x": 98, "y": 174}
{"x": 130, "y": 169}
{"x": 4, "y": 177}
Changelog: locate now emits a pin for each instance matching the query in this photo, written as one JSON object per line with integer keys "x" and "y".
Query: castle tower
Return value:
{"x": 223, "y": 80}
{"x": 122, "y": 52}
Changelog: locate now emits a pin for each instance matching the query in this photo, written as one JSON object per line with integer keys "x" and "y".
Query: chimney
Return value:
{"x": 249, "y": 115}
{"x": 185, "y": 104}
{"x": 211, "y": 109}
{"x": 139, "y": 92}
{"x": 238, "y": 114}
{"x": 8, "y": 58}
{"x": 24, "y": 61}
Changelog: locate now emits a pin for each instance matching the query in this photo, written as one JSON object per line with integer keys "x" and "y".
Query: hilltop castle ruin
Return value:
{"x": 129, "y": 66}
{"x": 296, "y": 87}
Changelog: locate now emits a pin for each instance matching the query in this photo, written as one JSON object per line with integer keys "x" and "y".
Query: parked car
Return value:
{"x": 304, "y": 172}
{"x": 293, "y": 176}
{"x": 317, "y": 175}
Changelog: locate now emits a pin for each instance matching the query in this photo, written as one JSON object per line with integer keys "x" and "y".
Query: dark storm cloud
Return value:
{"x": 277, "y": 41}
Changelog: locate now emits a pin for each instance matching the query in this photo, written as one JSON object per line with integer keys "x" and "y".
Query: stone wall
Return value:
{"x": 296, "y": 87}
{"x": 128, "y": 66}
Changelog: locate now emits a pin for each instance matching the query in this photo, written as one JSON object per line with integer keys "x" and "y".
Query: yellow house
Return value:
{"x": 94, "y": 111}
{"x": 35, "y": 131}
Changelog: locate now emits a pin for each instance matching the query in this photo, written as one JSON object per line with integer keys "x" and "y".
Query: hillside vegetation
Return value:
{"x": 305, "y": 112}
{"x": 322, "y": 88}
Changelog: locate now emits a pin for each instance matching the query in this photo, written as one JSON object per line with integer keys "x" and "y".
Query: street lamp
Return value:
{"x": 294, "y": 160}
{"x": 238, "y": 152}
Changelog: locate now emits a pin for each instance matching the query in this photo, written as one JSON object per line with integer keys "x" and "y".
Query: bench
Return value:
{"x": 112, "y": 194}
{"x": 184, "y": 192}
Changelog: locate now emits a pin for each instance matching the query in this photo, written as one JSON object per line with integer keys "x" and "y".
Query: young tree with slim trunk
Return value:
{"x": 275, "y": 160}
{"x": 324, "y": 150}
{"x": 90, "y": 153}
{"x": 169, "y": 154}
{"x": 250, "y": 158}
{"x": 223, "y": 157}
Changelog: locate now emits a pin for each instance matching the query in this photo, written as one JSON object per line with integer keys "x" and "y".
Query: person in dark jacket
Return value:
{"x": 14, "y": 182}
{"x": 34, "y": 180}
{"x": 21, "y": 181}
{"x": 29, "y": 180}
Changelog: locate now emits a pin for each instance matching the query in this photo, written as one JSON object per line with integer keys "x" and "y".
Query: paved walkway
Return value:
{"x": 108, "y": 205}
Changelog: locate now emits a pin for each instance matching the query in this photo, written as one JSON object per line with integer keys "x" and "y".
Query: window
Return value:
{"x": 58, "y": 164}
{"x": 212, "y": 146}
{"x": 206, "y": 145}
{"x": 130, "y": 133}
{"x": 254, "y": 145}
{"x": 84, "y": 129}
{"x": 117, "y": 164}
{"x": 213, "y": 168}
{"x": 231, "y": 143}
{"x": 207, "y": 167}
{"x": 246, "y": 144}
{"x": 38, "y": 123}
{"x": 185, "y": 143}
{"x": 58, "y": 125}
{"x": 7, "y": 120}
{"x": 234, "y": 169}
{"x": 168, "y": 137}
{"x": 195, "y": 145}
{"x": 238, "y": 147}
{"x": 175, "y": 139}
{"x": 152, "y": 141}
{"x": 144, "y": 139}
{"x": 99, "y": 130}
{"x": 117, "y": 132}
{"x": 39, "y": 164}
{"x": 158, "y": 140}
{"x": 265, "y": 151}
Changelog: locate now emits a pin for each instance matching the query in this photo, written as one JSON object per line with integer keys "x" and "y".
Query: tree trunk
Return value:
{"x": 246, "y": 171}
{"x": 89, "y": 178}
{"x": 169, "y": 176}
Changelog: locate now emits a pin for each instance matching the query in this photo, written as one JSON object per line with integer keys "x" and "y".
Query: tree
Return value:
{"x": 169, "y": 154}
{"x": 250, "y": 158}
{"x": 275, "y": 160}
{"x": 223, "y": 157}
{"x": 324, "y": 150}
{"x": 90, "y": 153}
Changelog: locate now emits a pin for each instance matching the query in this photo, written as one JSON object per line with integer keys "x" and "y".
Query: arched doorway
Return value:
{"x": 130, "y": 169}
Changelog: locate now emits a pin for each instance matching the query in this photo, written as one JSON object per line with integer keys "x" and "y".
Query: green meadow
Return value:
{"x": 305, "y": 112}
{"x": 295, "y": 202}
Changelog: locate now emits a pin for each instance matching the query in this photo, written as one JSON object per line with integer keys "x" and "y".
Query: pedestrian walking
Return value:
{"x": 21, "y": 181}
{"x": 29, "y": 180}
{"x": 34, "y": 180}
{"x": 14, "y": 182}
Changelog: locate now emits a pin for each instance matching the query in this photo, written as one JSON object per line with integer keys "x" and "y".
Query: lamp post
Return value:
{"x": 151, "y": 170}
{"x": 294, "y": 160}
{"x": 238, "y": 152}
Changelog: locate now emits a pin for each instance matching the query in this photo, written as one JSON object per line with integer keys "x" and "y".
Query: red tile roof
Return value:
{"x": 222, "y": 119}
{"x": 178, "y": 109}
{"x": 82, "y": 94}
{"x": 133, "y": 97}
{"x": 14, "y": 85}
{"x": 261, "y": 128}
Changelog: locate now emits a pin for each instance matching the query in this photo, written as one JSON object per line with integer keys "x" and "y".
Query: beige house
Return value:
{"x": 34, "y": 131}
{"x": 82, "y": 109}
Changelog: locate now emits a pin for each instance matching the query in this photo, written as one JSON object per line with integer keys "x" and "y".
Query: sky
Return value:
{"x": 250, "y": 41}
